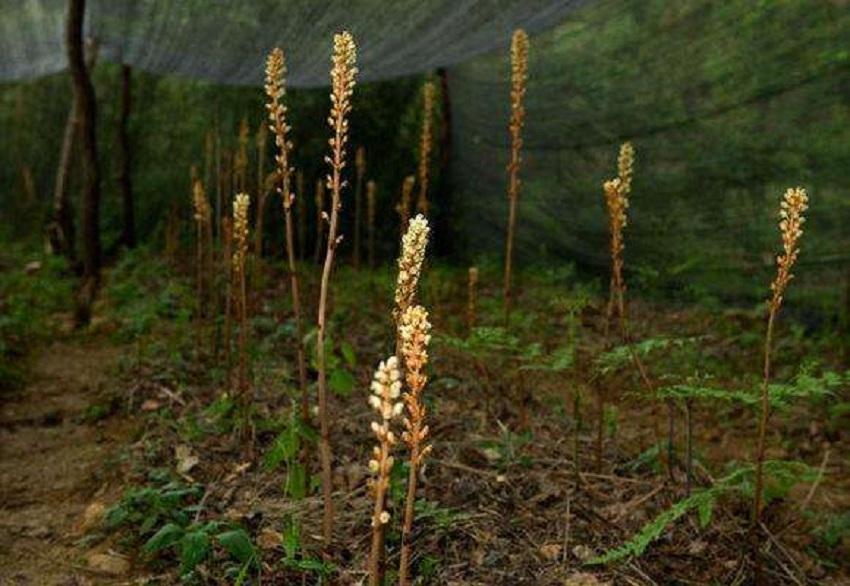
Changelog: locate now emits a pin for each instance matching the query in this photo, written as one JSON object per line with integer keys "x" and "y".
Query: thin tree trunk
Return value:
{"x": 85, "y": 99}
{"x": 61, "y": 230}
{"x": 125, "y": 183}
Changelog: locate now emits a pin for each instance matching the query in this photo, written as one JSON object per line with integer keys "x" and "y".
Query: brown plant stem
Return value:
{"x": 519, "y": 78}
{"x": 370, "y": 218}
{"x": 227, "y": 273}
{"x": 403, "y": 207}
{"x": 319, "y": 199}
{"x": 385, "y": 388}
{"x": 425, "y": 145}
{"x": 360, "y": 168}
{"x": 342, "y": 76}
{"x": 276, "y": 90}
{"x": 472, "y": 299}
{"x": 792, "y": 209}
{"x": 240, "y": 257}
{"x": 262, "y": 192}
{"x": 415, "y": 334}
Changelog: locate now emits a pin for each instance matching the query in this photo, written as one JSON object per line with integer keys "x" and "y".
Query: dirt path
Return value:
{"x": 54, "y": 462}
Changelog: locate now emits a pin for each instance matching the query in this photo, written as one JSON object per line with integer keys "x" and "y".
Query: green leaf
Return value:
{"x": 291, "y": 538}
{"x": 652, "y": 530}
{"x": 348, "y": 354}
{"x": 194, "y": 547}
{"x": 705, "y": 509}
{"x": 238, "y": 544}
{"x": 168, "y": 535}
{"x": 310, "y": 565}
{"x": 296, "y": 482}
{"x": 341, "y": 382}
{"x": 285, "y": 448}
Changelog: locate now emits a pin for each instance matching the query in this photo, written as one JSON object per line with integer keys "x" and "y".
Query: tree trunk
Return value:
{"x": 62, "y": 230}
{"x": 87, "y": 109}
{"x": 125, "y": 183}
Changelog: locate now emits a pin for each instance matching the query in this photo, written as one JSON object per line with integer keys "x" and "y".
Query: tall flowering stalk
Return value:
{"x": 794, "y": 204}
{"x": 415, "y": 334}
{"x": 617, "y": 204}
{"x": 425, "y": 145}
{"x": 276, "y": 91}
{"x": 410, "y": 348}
{"x": 403, "y": 207}
{"x": 617, "y": 193}
{"x": 519, "y": 80}
{"x": 360, "y": 168}
{"x": 262, "y": 139}
{"x": 240, "y": 158}
{"x": 370, "y": 219}
{"x": 227, "y": 274}
{"x": 386, "y": 390}
{"x": 342, "y": 88}
{"x": 203, "y": 245}
{"x": 240, "y": 256}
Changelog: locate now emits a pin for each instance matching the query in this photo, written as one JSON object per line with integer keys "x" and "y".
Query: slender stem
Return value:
{"x": 509, "y": 248}
{"x": 760, "y": 448}
{"x": 299, "y": 321}
{"x": 200, "y": 285}
{"x": 763, "y": 417}
{"x": 576, "y": 432}
{"x": 228, "y": 295}
{"x": 689, "y": 443}
{"x": 407, "y": 524}
{"x": 337, "y": 163}
{"x": 377, "y": 550}
{"x": 358, "y": 204}
{"x": 600, "y": 423}
{"x": 325, "y": 447}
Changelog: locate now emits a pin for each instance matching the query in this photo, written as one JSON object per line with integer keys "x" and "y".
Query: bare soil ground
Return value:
{"x": 54, "y": 462}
